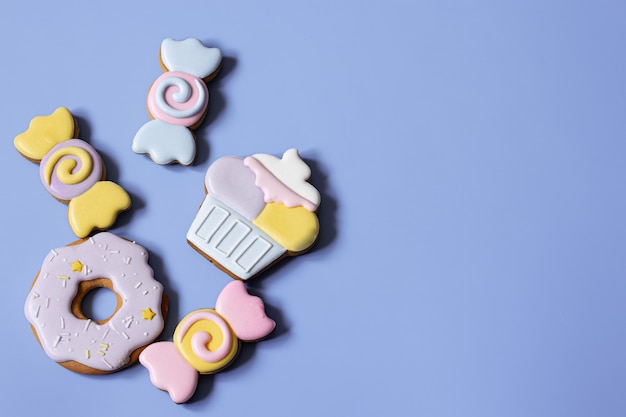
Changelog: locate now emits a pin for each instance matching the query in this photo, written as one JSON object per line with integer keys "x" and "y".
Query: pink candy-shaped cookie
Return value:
{"x": 206, "y": 341}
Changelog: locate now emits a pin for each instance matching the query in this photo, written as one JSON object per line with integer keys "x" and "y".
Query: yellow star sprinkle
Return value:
{"x": 148, "y": 314}
{"x": 77, "y": 266}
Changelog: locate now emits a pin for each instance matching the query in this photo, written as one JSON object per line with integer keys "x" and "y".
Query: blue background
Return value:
{"x": 470, "y": 157}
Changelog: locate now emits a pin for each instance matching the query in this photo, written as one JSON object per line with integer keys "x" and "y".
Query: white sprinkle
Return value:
{"x": 62, "y": 322}
{"x": 105, "y": 334}
{"x": 47, "y": 302}
{"x": 64, "y": 284}
{"x": 145, "y": 292}
{"x": 37, "y": 312}
{"x": 127, "y": 260}
{"x": 35, "y": 295}
{"x": 70, "y": 350}
{"x": 114, "y": 251}
{"x": 125, "y": 335}
{"x": 138, "y": 284}
{"x": 107, "y": 363}
{"x": 91, "y": 240}
{"x": 145, "y": 333}
{"x": 56, "y": 341}
{"x": 112, "y": 327}
{"x": 87, "y": 324}
{"x": 128, "y": 321}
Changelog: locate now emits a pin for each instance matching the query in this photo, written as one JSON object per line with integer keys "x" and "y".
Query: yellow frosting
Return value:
{"x": 294, "y": 228}
{"x": 97, "y": 208}
{"x": 45, "y": 132}
{"x": 185, "y": 346}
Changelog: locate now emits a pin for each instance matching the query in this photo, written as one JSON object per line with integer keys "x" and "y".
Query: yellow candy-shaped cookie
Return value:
{"x": 72, "y": 171}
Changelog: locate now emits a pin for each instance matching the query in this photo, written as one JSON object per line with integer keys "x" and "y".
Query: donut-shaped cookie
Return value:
{"x": 53, "y": 306}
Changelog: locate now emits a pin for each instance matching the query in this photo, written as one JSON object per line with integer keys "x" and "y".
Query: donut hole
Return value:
{"x": 96, "y": 300}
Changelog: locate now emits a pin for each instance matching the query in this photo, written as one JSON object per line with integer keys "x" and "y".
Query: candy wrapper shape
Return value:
{"x": 72, "y": 171}
{"x": 206, "y": 341}
{"x": 257, "y": 210}
{"x": 177, "y": 101}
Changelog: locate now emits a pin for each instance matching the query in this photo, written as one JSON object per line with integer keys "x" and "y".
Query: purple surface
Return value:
{"x": 470, "y": 158}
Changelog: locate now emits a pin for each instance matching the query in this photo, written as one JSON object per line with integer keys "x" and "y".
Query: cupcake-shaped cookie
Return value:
{"x": 257, "y": 210}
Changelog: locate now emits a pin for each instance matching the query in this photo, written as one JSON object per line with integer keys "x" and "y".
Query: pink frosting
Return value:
{"x": 169, "y": 371}
{"x": 54, "y": 185}
{"x": 273, "y": 189}
{"x": 245, "y": 313}
{"x": 230, "y": 181}
{"x": 178, "y": 98}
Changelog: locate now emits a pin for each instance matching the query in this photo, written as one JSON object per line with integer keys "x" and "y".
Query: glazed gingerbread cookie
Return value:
{"x": 177, "y": 101}
{"x": 257, "y": 210}
{"x": 72, "y": 171}
{"x": 206, "y": 341}
{"x": 53, "y": 306}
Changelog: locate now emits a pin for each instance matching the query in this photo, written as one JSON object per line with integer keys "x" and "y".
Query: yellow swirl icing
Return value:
{"x": 64, "y": 167}
{"x": 184, "y": 342}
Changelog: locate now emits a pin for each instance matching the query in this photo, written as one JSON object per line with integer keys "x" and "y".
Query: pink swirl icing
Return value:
{"x": 178, "y": 98}
{"x": 68, "y": 159}
{"x": 201, "y": 339}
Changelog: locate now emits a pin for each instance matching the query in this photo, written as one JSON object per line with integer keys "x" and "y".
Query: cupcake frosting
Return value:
{"x": 229, "y": 180}
{"x": 271, "y": 192}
